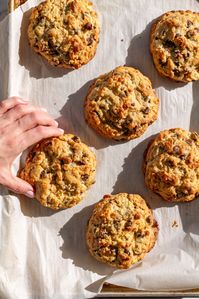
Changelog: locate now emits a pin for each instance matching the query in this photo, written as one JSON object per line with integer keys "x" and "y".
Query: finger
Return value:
{"x": 36, "y": 134}
{"x": 17, "y": 185}
{"x": 15, "y": 113}
{"x": 31, "y": 120}
{"x": 10, "y": 103}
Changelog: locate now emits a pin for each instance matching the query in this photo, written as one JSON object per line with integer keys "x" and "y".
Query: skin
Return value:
{"x": 21, "y": 125}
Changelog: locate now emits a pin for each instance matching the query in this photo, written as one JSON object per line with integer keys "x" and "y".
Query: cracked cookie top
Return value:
{"x": 171, "y": 165}
{"x": 174, "y": 45}
{"x": 65, "y": 32}
{"x": 60, "y": 169}
{"x": 121, "y": 230}
{"x": 121, "y": 104}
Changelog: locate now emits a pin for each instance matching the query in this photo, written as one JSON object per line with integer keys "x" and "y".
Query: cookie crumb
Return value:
{"x": 174, "y": 224}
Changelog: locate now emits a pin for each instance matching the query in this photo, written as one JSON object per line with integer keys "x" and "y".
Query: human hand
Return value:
{"x": 21, "y": 125}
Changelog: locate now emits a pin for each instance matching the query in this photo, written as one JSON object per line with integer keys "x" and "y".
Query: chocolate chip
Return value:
{"x": 189, "y": 23}
{"x": 148, "y": 219}
{"x": 127, "y": 251}
{"x": 176, "y": 73}
{"x": 176, "y": 149}
{"x": 136, "y": 216}
{"x": 90, "y": 40}
{"x": 163, "y": 64}
{"x": 155, "y": 224}
{"x": 75, "y": 139}
{"x": 62, "y": 162}
{"x": 128, "y": 224}
{"x": 178, "y": 35}
{"x": 169, "y": 44}
{"x": 180, "y": 194}
{"x": 88, "y": 26}
{"x": 33, "y": 154}
{"x": 169, "y": 163}
{"x": 139, "y": 234}
{"x": 84, "y": 177}
{"x": 80, "y": 163}
{"x": 190, "y": 33}
{"x": 42, "y": 174}
{"x": 146, "y": 110}
{"x": 106, "y": 196}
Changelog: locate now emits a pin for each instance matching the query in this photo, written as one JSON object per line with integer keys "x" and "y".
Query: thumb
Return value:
{"x": 17, "y": 185}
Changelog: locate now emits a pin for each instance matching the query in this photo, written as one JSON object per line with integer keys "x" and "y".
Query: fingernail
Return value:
{"x": 30, "y": 194}
{"x": 44, "y": 109}
{"x": 61, "y": 130}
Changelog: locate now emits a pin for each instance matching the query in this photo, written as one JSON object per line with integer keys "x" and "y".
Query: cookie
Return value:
{"x": 60, "y": 169}
{"x": 65, "y": 32}
{"x": 174, "y": 45}
{"x": 121, "y": 104}
{"x": 121, "y": 230}
{"x": 171, "y": 165}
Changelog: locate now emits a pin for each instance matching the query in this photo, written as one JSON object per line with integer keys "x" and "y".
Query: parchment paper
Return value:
{"x": 43, "y": 253}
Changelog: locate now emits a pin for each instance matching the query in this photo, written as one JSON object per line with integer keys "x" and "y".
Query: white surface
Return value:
{"x": 43, "y": 253}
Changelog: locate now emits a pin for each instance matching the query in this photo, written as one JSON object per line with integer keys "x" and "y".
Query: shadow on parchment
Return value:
{"x": 139, "y": 57}
{"x": 131, "y": 178}
{"x": 32, "y": 208}
{"x": 72, "y": 120}
{"x": 37, "y": 66}
{"x": 74, "y": 247}
{"x": 187, "y": 210}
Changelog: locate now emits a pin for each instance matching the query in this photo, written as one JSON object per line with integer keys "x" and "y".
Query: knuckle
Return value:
{"x": 20, "y": 109}
{"x": 3, "y": 105}
{"x": 41, "y": 130}
{"x": 34, "y": 117}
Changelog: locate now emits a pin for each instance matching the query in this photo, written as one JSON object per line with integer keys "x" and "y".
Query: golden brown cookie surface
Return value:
{"x": 121, "y": 230}
{"x": 121, "y": 104}
{"x": 65, "y": 32}
{"x": 60, "y": 169}
{"x": 174, "y": 45}
{"x": 171, "y": 165}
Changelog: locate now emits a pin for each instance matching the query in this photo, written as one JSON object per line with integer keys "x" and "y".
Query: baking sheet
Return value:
{"x": 43, "y": 253}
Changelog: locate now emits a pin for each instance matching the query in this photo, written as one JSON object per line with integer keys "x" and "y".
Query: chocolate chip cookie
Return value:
{"x": 121, "y": 104}
{"x": 65, "y": 32}
{"x": 171, "y": 165}
{"x": 60, "y": 169}
{"x": 174, "y": 45}
{"x": 121, "y": 230}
